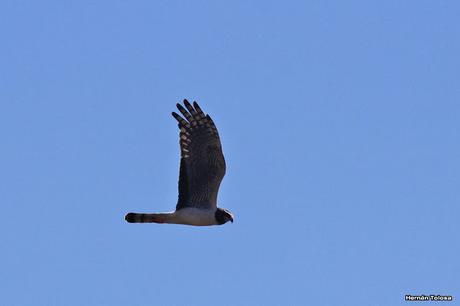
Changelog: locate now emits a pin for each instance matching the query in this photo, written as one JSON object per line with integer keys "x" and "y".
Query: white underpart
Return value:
{"x": 193, "y": 216}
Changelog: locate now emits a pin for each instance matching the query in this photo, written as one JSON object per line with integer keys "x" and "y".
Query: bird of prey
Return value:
{"x": 202, "y": 168}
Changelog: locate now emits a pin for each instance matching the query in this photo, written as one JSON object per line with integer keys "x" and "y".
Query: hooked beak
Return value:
{"x": 231, "y": 219}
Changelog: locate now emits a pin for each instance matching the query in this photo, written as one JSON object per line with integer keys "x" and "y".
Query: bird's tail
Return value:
{"x": 148, "y": 218}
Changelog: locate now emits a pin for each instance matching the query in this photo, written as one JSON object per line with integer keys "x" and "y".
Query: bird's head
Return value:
{"x": 223, "y": 216}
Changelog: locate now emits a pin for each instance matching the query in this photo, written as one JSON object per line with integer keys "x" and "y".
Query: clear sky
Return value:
{"x": 339, "y": 121}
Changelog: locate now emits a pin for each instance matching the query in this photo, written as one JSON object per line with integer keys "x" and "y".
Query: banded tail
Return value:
{"x": 148, "y": 218}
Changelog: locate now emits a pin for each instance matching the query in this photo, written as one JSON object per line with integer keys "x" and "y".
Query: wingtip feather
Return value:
{"x": 186, "y": 103}
{"x": 198, "y": 109}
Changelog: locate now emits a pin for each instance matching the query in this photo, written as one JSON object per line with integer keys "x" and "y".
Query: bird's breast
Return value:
{"x": 195, "y": 216}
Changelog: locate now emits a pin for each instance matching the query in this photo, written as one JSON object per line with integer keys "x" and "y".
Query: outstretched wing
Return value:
{"x": 202, "y": 164}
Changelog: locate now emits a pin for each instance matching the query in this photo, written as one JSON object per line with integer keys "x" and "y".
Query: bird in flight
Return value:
{"x": 202, "y": 168}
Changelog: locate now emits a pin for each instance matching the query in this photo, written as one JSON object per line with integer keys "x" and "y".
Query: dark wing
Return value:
{"x": 202, "y": 164}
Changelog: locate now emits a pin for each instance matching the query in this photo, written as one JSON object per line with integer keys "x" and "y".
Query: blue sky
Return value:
{"x": 340, "y": 125}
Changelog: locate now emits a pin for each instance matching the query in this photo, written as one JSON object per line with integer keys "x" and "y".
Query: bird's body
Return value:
{"x": 196, "y": 216}
{"x": 202, "y": 168}
{"x": 187, "y": 216}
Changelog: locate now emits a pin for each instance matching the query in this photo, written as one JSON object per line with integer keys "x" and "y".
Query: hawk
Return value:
{"x": 202, "y": 168}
